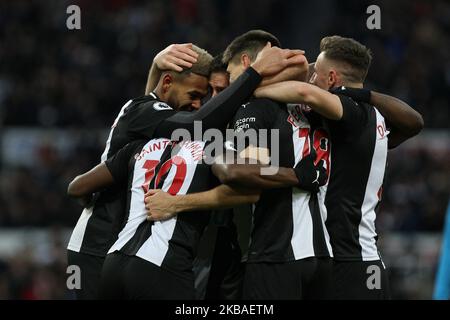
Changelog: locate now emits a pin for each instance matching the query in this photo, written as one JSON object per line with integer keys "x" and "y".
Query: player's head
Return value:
{"x": 184, "y": 90}
{"x": 242, "y": 51}
{"x": 342, "y": 61}
{"x": 219, "y": 77}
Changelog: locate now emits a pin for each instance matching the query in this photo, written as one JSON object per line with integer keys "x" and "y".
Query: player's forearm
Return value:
{"x": 250, "y": 176}
{"x": 220, "y": 197}
{"x": 92, "y": 181}
{"x": 79, "y": 188}
{"x": 153, "y": 77}
{"x": 405, "y": 121}
{"x": 323, "y": 102}
{"x": 283, "y": 91}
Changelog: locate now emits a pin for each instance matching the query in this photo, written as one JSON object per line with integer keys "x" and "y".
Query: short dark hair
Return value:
{"x": 251, "y": 43}
{"x": 355, "y": 55}
{"x": 217, "y": 64}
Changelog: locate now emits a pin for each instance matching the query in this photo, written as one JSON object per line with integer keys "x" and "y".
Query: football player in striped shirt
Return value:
{"x": 152, "y": 260}
{"x": 360, "y": 136}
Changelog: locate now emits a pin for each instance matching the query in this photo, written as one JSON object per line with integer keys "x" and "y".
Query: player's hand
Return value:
{"x": 311, "y": 176}
{"x": 176, "y": 57}
{"x": 297, "y": 72}
{"x": 160, "y": 205}
{"x": 271, "y": 60}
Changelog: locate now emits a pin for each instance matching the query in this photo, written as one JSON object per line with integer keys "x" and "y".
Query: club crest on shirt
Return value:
{"x": 161, "y": 106}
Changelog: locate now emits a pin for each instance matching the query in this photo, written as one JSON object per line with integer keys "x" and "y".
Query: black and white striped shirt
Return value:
{"x": 359, "y": 143}
{"x": 98, "y": 226}
{"x": 176, "y": 169}
{"x": 287, "y": 222}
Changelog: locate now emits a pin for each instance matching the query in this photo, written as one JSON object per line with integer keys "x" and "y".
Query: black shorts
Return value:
{"x": 307, "y": 278}
{"x": 90, "y": 270}
{"x": 130, "y": 277}
{"x": 360, "y": 280}
{"x": 227, "y": 270}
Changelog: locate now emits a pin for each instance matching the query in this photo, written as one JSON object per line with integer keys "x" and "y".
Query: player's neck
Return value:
{"x": 352, "y": 84}
{"x": 159, "y": 93}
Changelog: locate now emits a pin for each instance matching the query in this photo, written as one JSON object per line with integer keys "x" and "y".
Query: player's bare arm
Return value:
{"x": 249, "y": 176}
{"x": 84, "y": 185}
{"x": 161, "y": 205}
{"x": 323, "y": 102}
{"x": 404, "y": 121}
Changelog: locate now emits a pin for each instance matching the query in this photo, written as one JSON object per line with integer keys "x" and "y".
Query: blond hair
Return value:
{"x": 203, "y": 65}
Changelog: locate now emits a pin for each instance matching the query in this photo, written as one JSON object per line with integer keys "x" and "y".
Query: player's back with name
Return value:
{"x": 176, "y": 168}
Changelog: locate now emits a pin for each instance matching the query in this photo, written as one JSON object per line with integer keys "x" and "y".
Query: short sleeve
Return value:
{"x": 354, "y": 119}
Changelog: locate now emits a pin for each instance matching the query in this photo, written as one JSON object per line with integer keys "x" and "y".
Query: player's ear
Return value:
{"x": 332, "y": 78}
{"x": 245, "y": 60}
{"x": 167, "y": 81}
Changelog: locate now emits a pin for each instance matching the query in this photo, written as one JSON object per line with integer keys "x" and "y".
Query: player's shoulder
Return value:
{"x": 152, "y": 101}
{"x": 263, "y": 105}
{"x": 148, "y": 105}
{"x": 266, "y": 102}
{"x": 133, "y": 148}
{"x": 352, "y": 106}
{"x": 349, "y": 101}
{"x": 137, "y": 144}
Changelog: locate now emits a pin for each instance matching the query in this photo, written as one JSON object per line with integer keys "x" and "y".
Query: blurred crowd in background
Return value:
{"x": 57, "y": 80}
